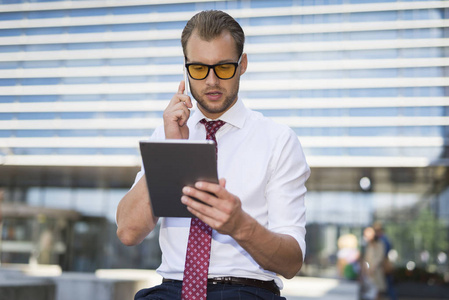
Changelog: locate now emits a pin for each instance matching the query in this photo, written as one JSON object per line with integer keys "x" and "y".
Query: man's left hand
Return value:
{"x": 220, "y": 209}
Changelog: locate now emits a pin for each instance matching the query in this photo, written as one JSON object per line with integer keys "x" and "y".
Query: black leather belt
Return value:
{"x": 268, "y": 285}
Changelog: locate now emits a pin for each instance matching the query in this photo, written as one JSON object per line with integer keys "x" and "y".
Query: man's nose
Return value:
{"x": 212, "y": 78}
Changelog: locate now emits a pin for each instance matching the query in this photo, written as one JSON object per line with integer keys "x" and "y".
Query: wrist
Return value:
{"x": 246, "y": 229}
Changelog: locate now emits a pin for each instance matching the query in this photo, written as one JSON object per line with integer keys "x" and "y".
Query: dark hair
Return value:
{"x": 209, "y": 24}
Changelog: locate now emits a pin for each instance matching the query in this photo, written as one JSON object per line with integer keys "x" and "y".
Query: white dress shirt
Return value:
{"x": 264, "y": 165}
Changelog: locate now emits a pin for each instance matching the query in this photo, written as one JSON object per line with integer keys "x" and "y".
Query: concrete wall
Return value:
{"x": 23, "y": 284}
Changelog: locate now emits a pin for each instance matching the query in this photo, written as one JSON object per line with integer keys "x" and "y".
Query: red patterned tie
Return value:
{"x": 194, "y": 284}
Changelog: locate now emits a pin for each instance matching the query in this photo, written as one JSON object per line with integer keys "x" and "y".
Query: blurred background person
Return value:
{"x": 387, "y": 264}
{"x": 348, "y": 257}
{"x": 373, "y": 277}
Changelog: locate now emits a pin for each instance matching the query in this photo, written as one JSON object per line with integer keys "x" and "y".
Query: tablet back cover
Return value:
{"x": 172, "y": 164}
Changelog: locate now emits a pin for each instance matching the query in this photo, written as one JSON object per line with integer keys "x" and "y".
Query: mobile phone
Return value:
{"x": 186, "y": 79}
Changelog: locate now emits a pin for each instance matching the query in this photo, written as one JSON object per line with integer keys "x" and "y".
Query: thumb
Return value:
{"x": 222, "y": 182}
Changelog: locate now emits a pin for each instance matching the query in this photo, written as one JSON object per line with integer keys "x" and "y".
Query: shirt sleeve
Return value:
{"x": 158, "y": 134}
{"x": 286, "y": 189}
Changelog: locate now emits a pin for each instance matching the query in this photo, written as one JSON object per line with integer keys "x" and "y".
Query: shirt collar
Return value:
{"x": 235, "y": 116}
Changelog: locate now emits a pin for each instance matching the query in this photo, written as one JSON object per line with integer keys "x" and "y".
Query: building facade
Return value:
{"x": 363, "y": 83}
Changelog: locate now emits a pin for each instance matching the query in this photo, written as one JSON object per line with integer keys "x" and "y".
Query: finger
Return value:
{"x": 181, "y": 87}
{"x": 181, "y": 114}
{"x": 213, "y": 188}
{"x": 222, "y": 182}
{"x": 205, "y": 197}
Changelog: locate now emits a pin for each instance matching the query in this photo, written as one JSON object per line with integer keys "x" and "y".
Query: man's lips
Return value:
{"x": 214, "y": 95}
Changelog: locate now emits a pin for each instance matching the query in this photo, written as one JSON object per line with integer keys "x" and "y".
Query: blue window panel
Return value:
{"x": 169, "y": 25}
{"x": 6, "y": 116}
{"x": 372, "y": 54}
{"x": 132, "y": 10}
{"x": 10, "y": 32}
{"x": 41, "y": 64}
{"x": 373, "y": 73}
{"x": 265, "y": 4}
{"x": 40, "y": 81}
{"x": 86, "y": 46}
{"x": 88, "y": 29}
{"x": 423, "y": 33}
{"x": 10, "y": 65}
{"x": 12, "y": 15}
{"x": 8, "y": 82}
{"x": 373, "y": 16}
{"x": 126, "y": 97}
{"x": 380, "y": 92}
{"x": 320, "y": 131}
{"x": 422, "y": 52}
{"x": 77, "y": 133}
{"x": 370, "y": 1}
{"x": 423, "y": 91}
{"x": 131, "y": 27}
{"x": 120, "y": 151}
{"x": 128, "y": 61}
{"x": 127, "y": 132}
{"x": 130, "y": 79}
{"x": 93, "y": 97}
{"x": 92, "y": 12}
{"x": 130, "y": 44}
{"x": 43, "y": 14}
{"x": 8, "y": 99}
{"x": 373, "y": 151}
{"x": 424, "y": 130}
{"x": 43, "y": 47}
{"x": 373, "y": 131}
{"x": 6, "y": 133}
{"x": 11, "y": 48}
{"x": 320, "y": 19}
{"x": 125, "y": 114}
{"x": 36, "y": 116}
{"x": 82, "y": 80}
{"x": 85, "y": 63}
{"x": 44, "y": 31}
{"x": 374, "y": 112}
{"x": 34, "y": 133}
{"x": 77, "y": 151}
{"x": 423, "y": 111}
{"x": 422, "y": 14}
{"x": 429, "y": 152}
{"x": 78, "y": 115}
{"x": 179, "y": 7}
{"x": 38, "y": 98}
{"x": 266, "y": 21}
{"x": 32, "y": 151}
{"x": 423, "y": 72}
{"x": 320, "y": 55}
{"x": 373, "y": 35}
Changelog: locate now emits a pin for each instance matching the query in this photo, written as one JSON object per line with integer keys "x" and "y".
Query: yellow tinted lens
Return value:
{"x": 198, "y": 71}
{"x": 225, "y": 70}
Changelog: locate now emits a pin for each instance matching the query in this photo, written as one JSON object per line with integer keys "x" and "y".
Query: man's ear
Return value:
{"x": 243, "y": 64}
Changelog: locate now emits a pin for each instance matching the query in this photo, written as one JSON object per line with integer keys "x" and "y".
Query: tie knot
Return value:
{"x": 212, "y": 127}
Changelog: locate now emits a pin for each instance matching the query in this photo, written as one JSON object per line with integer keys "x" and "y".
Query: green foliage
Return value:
{"x": 423, "y": 233}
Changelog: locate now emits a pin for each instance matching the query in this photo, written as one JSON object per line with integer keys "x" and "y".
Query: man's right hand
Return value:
{"x": 176, "y": 115}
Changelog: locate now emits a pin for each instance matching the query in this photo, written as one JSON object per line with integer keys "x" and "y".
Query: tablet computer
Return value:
{"x": 172, "y": 164}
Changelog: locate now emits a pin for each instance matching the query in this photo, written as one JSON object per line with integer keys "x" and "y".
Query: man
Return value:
{"x": 257, "y": 211}
{"x": 388, "y": 272}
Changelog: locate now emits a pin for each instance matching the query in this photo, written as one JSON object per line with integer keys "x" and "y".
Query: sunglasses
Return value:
{"x": 223, "y": 71}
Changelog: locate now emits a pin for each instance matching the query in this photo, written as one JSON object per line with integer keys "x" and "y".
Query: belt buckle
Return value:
{"x": 217, "y": 280}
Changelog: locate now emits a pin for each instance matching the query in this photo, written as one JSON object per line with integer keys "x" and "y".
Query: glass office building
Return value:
{"x": 363, "y": 83}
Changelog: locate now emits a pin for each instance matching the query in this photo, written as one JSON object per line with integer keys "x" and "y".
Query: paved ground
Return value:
{"x": 311, "y": 288}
